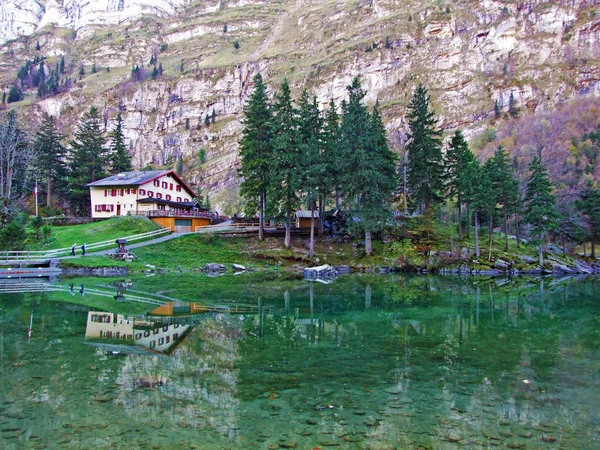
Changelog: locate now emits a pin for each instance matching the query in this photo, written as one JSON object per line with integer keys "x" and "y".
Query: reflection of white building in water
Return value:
{"x": 140, "y": 332}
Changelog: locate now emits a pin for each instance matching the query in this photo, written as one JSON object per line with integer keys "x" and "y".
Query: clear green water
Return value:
{"x": 367, "y": 362}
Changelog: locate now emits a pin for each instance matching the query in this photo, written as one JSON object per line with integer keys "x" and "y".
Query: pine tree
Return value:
{"x": 213, "y": 116}
{"x": 287, "y": 172}
{"x": 81, "y": 71}
{"x": 513, "y": 110}
{"x": 331, "y": 142}
{"x": 589, "y": 204}
{"x": 87, "y": 159}
{"x": 256, "y": 149}
{"x": 119, "y": 159}
{"x": 313, "y": 171}
{"x": 497, "y": 110}
{"x": 505, "y": 186}
{"x": 540, "y": 209}
{"x": 368, "y": 165}
{"x": 50, "y": 157}
{"x": 425, "y": 168}
{"x": 457, "y": 161}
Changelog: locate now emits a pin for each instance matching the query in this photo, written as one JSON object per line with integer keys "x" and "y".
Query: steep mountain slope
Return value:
{"x": 469, "y": 53}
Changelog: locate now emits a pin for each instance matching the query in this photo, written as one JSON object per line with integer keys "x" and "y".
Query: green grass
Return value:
{"x": 65, "y": 236}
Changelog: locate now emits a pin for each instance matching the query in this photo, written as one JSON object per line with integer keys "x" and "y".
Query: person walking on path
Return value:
{"x": 73, "y": 247}
{"x": 83, "y": 250}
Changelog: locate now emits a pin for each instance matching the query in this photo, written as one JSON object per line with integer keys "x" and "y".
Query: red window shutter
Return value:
{"x": 171, "y": 186}
{"x": 113, "y": 193}
{"x": 106, "y": 192}
{"x": 122, "y": 191}
{"x": 133, "y": 191}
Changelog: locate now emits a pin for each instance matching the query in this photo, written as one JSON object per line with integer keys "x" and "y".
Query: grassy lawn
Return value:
{"x": 65, "y": 236}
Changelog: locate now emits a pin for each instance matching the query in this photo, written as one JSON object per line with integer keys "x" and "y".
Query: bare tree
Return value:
{"x": 15, "y": 156}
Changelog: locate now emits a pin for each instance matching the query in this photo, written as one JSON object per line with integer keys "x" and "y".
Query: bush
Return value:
{"x": 404, "y": 253}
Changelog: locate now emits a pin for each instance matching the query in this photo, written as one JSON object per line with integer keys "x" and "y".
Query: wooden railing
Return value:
{"x": 43, "y": 255}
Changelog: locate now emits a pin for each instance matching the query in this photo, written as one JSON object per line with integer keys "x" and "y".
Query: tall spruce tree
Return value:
{"x": 482, "y": 200}
{"x": 314, "y": 172}
{"x": 119, "y": 159}
{"x": 505, "y": 186}
{"x": 256, "y": 149}
{"x": 425, "y": 162}
{"x": 457, "y": 173}
{"x": 50, "y": 157}
{"x": 87, "y": 159}
{"x": 368, "y": 166}
{"x": 540, "y": 204}
{"x": 589, "y": 204}
{"x": 331, "y": 143}
{"x": 286, "y": 169}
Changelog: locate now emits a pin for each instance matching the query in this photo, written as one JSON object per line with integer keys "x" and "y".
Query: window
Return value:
{"x": 127, "y": 191}
{"x": 106, "y": 192}
{"x": 168, "y": 197}
{"x": 98, "y": 208}
{"x": 138, "y": 335}
{"x": 171, "y": 186}
{"x": 158, "y": 195}
{"x": 142, "y": 192}
{"x": 146, "y": 333}
{"x": 175, "y": 336}
{"x": 166, "y": 328}
{"x": 178, "y": 188}
{"x": 152, "y": 344}
{"x": 178, "y": 199}
{"x": 161, "y": 341}
{"x": 113, "y": 193}
{"x": 122, "y": 192}
{"x": 164, "y": 184}
{"x": 156, "y": 331}
{"x": 134, "y": 191}
{"x": 176, "y": 325}
{"x": 168, "y": 339}
{"x": 150, "y": 194}
{"x": 156, "y": 183}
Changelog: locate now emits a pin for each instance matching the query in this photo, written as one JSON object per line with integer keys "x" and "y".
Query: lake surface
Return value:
{"x": 367, "y": 362}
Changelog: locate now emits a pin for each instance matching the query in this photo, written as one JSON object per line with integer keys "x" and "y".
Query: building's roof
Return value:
{"x": 305, "y": 214}
{"x": 139, "y": 178}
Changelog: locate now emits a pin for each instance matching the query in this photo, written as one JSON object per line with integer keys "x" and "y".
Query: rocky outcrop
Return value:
{"x": 471, "y": 55}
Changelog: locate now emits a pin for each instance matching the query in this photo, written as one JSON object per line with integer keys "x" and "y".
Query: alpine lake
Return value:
{"x": 269, "y": 360}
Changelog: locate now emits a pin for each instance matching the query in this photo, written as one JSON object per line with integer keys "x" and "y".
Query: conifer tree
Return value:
{"x": 119, "y": 159}
{"x": 457, "y": 174}
{"x": 589, "y": 204}
{"x": 87, "y": 159}
{"x": 331, "y": 142}
{"x": 50, "y": 157}
{"x": 505, "y": 186}
{"x": 368, "y": 165}
{"x": 425, "y": 168}
{"x": 256, "y": 149}
{"x": 540, "y": 208}
{"x": 313, "y": 170}
{"x": 287, "y": 171}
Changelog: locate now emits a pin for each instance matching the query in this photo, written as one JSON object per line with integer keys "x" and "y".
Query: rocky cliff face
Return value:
{"x": 470, "y": 54}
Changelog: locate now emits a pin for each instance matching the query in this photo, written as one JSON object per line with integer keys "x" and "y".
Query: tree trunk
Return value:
{"x": 427, "y": 216}
{"x": 468, "y": 230}
{"x": 490, "y": 235}
{"x": 321, "y": 210}
{"x": 287, "y": 242}
{"x": 368, "y": 246}
{"x": 459, "y": 205}
{"x": 48, "y": 190}
{"x": 505, "y": 230}
{"x": 517, "y": 230}
{"x": 261, "y": 218}
{"x": 311, "y": 252}
{"x": 541, "y": 251}
{"x": 477, "y": 252}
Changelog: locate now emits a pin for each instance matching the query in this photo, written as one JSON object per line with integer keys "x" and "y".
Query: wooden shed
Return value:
{"x": 303, "y": 218}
